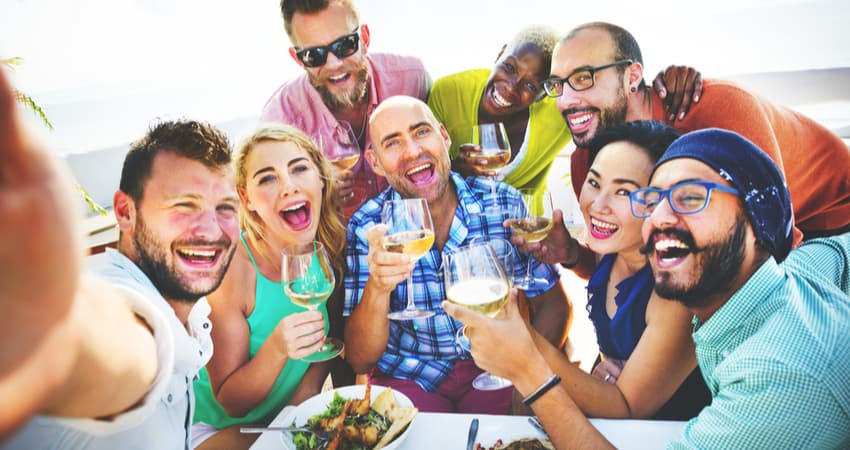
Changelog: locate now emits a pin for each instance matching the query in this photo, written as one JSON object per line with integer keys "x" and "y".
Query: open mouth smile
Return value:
{"x": 421, "y": 174}
{"x": 297, "y": 216}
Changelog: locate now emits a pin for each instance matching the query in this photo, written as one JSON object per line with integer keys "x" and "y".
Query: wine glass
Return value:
{"x": 343, "y": 151}
{"x": 409, "y": 231}
{"x": 496, "y": 151}
{"x": 475, "y": 279}
{"x": 308, "y": 280}
{"x": 531, "y": 219}
{"x": 506, "y": 254}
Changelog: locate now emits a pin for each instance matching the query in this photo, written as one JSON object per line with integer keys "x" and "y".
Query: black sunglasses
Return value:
{"x": 341, "y": 48}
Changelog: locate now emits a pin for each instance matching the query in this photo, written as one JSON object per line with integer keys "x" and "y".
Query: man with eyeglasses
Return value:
{"x": 597, "y": 77}
{"x": 770, "y": 323}
{"x": 342, "y": 85}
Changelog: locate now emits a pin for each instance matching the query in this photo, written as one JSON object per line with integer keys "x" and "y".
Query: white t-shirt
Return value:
{"x": 163, "y": 419}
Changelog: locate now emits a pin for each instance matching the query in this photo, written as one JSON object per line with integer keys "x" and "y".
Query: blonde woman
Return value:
{"x": 287, "y": 196}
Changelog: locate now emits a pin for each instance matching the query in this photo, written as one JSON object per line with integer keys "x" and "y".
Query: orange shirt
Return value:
{"x": 815, "y": 162}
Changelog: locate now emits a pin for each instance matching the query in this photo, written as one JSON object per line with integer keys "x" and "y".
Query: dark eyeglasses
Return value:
{"x": 689, "y": 197}
{"x": 341, "y": 48}
{"x": 580, "y": 80}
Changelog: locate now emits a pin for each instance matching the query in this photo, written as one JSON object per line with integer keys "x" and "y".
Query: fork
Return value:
{"x": 322, "y": 438}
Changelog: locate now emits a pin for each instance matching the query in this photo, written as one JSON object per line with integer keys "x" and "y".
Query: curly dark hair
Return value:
{"x": 198, "y": 141}
{"x": 650, "y": 135}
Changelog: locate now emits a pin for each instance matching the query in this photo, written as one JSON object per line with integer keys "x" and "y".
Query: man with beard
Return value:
{"x": 342, "y": 85}
{"x": 421, "y": 357}
{"x": 597, "y": 77}
{"x": 176, "y": 209}
{"x": 771, "y": 338}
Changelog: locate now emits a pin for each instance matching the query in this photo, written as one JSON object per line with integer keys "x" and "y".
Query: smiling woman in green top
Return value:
{"x": 512, "y": 93}
{"x": 260, "y": 335}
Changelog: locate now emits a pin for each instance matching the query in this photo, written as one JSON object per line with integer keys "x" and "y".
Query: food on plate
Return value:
{"x": 520, "y": 444}
{"x": 355, "y": 424}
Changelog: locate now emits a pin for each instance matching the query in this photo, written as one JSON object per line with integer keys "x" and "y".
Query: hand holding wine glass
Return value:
{"x": 308, "y": 280}
{"x": 409, "y": 231}
{"x": 343, "y": 151}
{"x": 495, "y": 152}
{"x": 531, "y": 220}
{"x": 475, "y": 279}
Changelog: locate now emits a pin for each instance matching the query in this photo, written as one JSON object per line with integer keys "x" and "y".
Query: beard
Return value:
{"x": 718, "y": 266}
{"x": 608, "y": 118}
{"x": 152, "y": 257}
{"x": 347, "y": 99}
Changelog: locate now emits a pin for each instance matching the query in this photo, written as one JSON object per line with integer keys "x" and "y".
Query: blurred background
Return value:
{"x": 104, "y": 69}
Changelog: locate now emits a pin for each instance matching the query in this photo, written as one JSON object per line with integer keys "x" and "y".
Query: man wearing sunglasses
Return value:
{"x": 342, "y": 84}
{"x": 770, "y": 324}
{"x": 597, "y": 77}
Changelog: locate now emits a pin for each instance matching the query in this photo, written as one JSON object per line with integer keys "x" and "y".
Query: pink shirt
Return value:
{"x": 298, "y": 103}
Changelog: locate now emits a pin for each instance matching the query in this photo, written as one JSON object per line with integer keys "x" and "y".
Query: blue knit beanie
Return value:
{"x": 752, "y": 173}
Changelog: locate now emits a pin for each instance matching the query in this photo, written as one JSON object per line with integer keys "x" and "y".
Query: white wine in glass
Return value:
{"x": 411, "y": 232}
{"x": 308, "y": 280}
{"x": 476, "y": 279}
{"x": 496, "y": 150}
{"x": 343, "y": 150}
{"x": 531, "y": 219}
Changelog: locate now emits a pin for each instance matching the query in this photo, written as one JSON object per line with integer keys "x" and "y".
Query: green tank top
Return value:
{"x": 270, "y": 306}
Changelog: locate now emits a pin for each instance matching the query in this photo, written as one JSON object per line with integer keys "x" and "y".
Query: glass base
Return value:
{"x": 489, "y": 382}
{"x": 410, "y": 314}
{"x": 330, "y": 350}
{"x": 528, "y": 284}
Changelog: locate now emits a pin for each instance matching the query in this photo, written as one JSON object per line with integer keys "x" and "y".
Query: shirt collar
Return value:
{"x": 750, "y": 302}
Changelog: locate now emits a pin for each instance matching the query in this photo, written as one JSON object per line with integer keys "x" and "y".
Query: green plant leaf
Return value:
{"x": 32, "y": 105}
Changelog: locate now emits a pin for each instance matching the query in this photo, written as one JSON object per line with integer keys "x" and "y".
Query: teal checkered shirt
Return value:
{"x": 776, "y": 357}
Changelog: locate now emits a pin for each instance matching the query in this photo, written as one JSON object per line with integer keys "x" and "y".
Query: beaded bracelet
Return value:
{"x": 544, "y": 388}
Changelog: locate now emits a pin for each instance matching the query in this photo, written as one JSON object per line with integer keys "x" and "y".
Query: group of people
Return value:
{"x": 708, "y": 308}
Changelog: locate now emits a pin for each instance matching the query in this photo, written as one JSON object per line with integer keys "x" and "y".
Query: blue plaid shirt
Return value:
{"x": 425, "y": 350}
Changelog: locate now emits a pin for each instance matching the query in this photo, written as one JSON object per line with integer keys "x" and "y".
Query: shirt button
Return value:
{"x": 206, "y": 325}
{"x": 724, "y": 353}
{"x": 170, "y": 398}
{"x": 201, "y": 352}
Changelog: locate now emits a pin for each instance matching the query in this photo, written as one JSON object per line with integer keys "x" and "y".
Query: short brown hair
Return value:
{"x": 288, "y": 8}
{"x": 198, "y": 141}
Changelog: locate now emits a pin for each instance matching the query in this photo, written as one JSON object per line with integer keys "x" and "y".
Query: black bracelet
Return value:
{"x": 544, "y": 388}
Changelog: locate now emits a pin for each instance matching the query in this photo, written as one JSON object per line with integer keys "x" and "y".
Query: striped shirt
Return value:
{"x": 776, "y": 357}
{"x": 425, "y": 350}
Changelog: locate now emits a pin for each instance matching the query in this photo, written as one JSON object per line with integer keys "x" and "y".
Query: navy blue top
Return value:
{"x": 618, "y": 336}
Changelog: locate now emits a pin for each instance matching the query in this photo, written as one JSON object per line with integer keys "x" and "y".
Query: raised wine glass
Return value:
{"x": 532, "y": 220}
{"x": 308, "y": 281}
{"x": 409, "y": 231}
{"x": 475, "y": 279}
{"x": 343, "y": 151}
{"x": 496, "y": 151}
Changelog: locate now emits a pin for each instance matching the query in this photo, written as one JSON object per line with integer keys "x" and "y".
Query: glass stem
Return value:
{"x": 410, "y": 304}
{"x": 528, "y": 278}
{"x": 493, "y": 192}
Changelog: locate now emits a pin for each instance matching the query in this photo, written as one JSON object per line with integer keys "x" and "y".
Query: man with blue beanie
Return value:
{"x": 770, "y": 324}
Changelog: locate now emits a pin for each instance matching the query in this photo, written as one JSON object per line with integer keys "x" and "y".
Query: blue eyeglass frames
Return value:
{"x": 689, "y": 197}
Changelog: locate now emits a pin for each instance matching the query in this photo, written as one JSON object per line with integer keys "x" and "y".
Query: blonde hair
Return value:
{"x": 331, "y": 231}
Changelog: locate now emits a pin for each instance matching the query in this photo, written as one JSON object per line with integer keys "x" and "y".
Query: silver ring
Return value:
{"x": 607, "y": 377}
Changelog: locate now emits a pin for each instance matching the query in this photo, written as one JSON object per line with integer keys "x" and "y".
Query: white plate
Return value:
{"x": 493, "y": 428}
{"x": 319, "y": 404}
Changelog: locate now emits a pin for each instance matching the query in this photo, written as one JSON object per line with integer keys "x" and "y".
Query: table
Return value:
{"x": 449, "y": 431}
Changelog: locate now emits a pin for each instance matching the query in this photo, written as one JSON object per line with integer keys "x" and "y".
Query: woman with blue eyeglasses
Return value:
{"x": 649, "y": 368}
{"x": 648, "y": 358}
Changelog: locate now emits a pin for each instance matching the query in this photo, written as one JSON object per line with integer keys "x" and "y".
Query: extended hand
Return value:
{"x": 468, "y": 163}
{"x": 386, "y": 269}
{"x": 498, "y": 345}
{"x": 301, "y": 334}
{"x": 557, "y": 247}
{"x": 345, "y": 184}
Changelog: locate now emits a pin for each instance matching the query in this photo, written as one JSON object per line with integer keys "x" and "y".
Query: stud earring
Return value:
{"x": 634, "y": 88}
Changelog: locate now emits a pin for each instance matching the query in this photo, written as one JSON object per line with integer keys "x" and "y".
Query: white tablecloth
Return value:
{"x": 449, "y": 431}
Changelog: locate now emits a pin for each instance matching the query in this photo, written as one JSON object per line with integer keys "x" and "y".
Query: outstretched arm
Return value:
{"x": 56, "y": 327}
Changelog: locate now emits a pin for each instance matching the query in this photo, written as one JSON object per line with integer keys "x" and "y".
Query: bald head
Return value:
{"x": 621, "y": 42}
{"x": 399, "y": 107}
